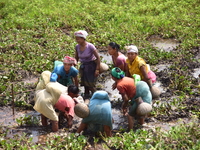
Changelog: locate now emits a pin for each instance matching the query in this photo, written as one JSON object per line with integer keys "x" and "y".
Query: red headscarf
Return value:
{"x": 69, "y": 60}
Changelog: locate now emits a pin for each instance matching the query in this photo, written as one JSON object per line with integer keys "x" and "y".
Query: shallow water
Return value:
{"x": 196, "y": 73}
{"x": 120, "y": 121}
{"x": 160, "y": 67}
{"x": 39, "y": 133}
{"x": 166, "y": 126}
{"x": 106, "y": 58}
{"x": 163, "y": 44}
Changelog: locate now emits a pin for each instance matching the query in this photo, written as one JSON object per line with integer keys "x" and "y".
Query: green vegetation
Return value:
{"x": 35, "y": 33}
{"x": 27, "y": 120}
{"x": 179, "y": 137}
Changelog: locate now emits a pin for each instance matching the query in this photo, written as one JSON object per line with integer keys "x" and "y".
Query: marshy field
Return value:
{"x": 35, "y": 33}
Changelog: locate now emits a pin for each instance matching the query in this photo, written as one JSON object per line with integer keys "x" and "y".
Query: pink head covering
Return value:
{"x": 81, "y": 33}
{"x": 69, "y": 60}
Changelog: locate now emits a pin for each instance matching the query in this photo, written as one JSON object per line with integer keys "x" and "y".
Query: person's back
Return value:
{"x": 100, "y": 110}
{"x": 143, "y": 91}
{"x": 126, "y": 85}
{"x": 100, "y": 116}
{"x": 121, "y": 61}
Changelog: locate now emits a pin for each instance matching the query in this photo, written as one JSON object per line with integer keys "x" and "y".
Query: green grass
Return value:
{"x": 35, "y": 33}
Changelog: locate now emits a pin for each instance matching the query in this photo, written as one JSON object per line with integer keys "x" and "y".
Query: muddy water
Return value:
{"x": 105, "y": 57}
{"x": 166, "y": 126}
{"x": 163, "y": 44}
{"x": 39, "y": 133}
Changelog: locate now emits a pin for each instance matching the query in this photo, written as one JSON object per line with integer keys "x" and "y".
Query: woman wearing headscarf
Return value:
{"x": 100, "y": 114}
{"x": 90, "y": 62}
{"x": 66, "y": 72}
{"x": 131, "y": 91}
{"x": 137, "y": 65}
{"x": 52, "y": 95}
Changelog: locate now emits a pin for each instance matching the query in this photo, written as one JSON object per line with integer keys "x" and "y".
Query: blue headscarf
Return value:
{"x": 100, "y": 95}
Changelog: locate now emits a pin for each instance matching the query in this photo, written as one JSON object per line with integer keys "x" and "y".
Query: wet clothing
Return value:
{"x": 100, "y": 112}
{"x": 63, "y": 77}
{"x": 143, "y": 91}
{"x": 134, "y": 68}
{"x": 121, "y": 60}
{"x": 88, "y": 65}
{"x": 126, "y": 85}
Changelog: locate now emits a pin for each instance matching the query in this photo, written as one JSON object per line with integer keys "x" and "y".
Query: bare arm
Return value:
{"x": 69, "y": 119}
{"x": 76, "y": 56}
{"x": 107, "y": 130}
{"x": 125, "y": 103}
{"x": 97, "y": 59}
{"x": 81, "y": 127}
{"x": 127, "y": 72}
{"x": 76, "y": 81}
{"x": 98, "y": 62}
{"x": 144, "y": 73}
{"x": 122, "y": 67}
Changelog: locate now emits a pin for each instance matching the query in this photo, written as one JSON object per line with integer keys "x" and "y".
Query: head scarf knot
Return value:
{"x": 81, "y": 33}
{"x": 69, "y": 60}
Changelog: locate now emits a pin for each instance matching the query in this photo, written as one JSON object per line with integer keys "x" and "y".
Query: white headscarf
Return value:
{"x": 81, "y": 33}
{"x": 132, "y": 48}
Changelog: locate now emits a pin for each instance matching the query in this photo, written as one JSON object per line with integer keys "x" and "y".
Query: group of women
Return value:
{"x": 89, "y": 70}
{"x": 122, "y": 73}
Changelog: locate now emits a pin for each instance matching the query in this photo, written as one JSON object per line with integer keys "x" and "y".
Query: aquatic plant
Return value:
{"x": 28, "y": 120}
{"x": 179, "y": 137}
